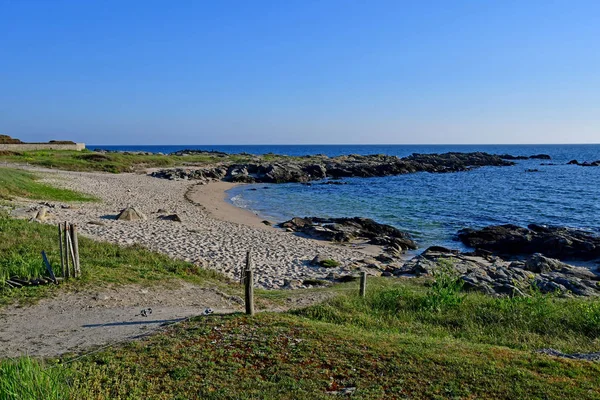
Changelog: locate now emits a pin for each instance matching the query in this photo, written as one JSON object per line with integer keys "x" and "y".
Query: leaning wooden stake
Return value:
{"x": 249, "y": 292}
{"x": 72, "y": 253}
{"x": 67, "y": 274}
{"x": 75, "y": 250}
{"x": 363, "y": 283}
{"x": 60, "y": 247}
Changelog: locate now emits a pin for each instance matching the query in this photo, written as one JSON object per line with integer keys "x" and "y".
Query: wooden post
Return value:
{"x": 60, "y": 247}
{"x": 72, "y": 252}
{"x": 249, "y": 292}
{"x": 66, "y": 252}
{"x": 76, "y": 250}
{"x": 248, "y": 267}
{"x": 363, "y": 283}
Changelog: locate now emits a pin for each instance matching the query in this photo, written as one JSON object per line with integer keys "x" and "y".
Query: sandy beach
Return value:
{"x": 213, "y": 233}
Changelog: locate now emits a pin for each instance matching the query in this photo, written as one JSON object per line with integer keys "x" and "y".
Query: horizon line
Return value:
{"x": 358, "y": 144}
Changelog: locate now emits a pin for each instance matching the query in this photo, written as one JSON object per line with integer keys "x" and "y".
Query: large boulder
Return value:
{"x": 349, "y": 229}
{"x": 551, "y": 241}
{"x": 131, "y": 214}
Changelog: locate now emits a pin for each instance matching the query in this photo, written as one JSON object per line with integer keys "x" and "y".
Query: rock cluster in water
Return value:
{"x": 585, "y": 164}
{"x": 346, "y": 230}
{"x": 552, "y": 241}
{"x": 310, "y": 168}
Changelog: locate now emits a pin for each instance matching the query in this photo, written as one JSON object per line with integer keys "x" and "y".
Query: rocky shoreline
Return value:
{"x": 508, "y": 260}
{"x": 319, "y": 167}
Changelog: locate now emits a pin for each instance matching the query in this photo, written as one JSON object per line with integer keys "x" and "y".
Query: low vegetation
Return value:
{"x": 384, "y": 346}
{"x": 27, "y": 379}
{"x": 21, "y": 243}
{"x": 408, "y": 338}
{"x": 18, "y": 183}
{"x": 87, "y": 160}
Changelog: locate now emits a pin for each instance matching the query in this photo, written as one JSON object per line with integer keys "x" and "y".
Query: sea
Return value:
{"x": 433, "y": 207}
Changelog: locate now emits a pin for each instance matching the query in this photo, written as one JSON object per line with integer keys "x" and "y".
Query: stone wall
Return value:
{"x": 42, "y": 146}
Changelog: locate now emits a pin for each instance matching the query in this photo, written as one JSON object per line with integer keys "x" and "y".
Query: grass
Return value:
{"x": 102, "y": 263}
{"x": 409, "y": 338}
{"x": 17, "y": 183}
{"x": 87, "y": 160}
{"x": 386, "y": 346}
{"x": 524, "y": 323}
{"x": 27, "y": 379}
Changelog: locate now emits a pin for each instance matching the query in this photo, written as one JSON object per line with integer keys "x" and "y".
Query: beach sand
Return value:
{"x": 213, "y": 233}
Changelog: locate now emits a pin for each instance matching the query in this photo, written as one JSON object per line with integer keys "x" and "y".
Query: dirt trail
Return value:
{"x": 77, "y": 322}
{"x": 72, "y": 322}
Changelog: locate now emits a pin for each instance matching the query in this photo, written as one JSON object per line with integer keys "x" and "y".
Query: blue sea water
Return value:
{"x": 433, "y": 207}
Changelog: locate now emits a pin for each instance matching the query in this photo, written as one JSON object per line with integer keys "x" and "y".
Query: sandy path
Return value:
{"x": 73, "y": 322}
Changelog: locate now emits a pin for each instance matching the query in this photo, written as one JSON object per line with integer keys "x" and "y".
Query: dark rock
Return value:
{"x": 348, "y": 229}
{"x": 266, "y": 223}
{"x": 551, "y": 241}
{"x": 171, "y": 217}
{"x": 540, "y": 157}
{"x": 505, "y": 278}
{"x": 311, "y": 168}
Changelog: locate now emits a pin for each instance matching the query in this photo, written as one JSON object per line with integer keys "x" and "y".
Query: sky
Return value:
{"x": 300, "y": 72}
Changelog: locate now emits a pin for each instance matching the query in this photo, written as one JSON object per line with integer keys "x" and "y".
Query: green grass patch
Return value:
{"x": 17, "y": 183}
{"x": 289, "y": 357}
{"x": 27, "y": 379}
{"x": 413, "y": 307}
{"x": 87, "y": 160}
{"x": 102, "y": 263}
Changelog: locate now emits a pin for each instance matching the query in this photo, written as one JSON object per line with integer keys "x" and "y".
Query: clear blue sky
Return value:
{"x": 285, "y": 71}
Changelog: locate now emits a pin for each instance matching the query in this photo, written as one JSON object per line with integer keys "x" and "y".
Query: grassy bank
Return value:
{"x": 102, "y": 263}
{"x": 18, "y": 183}
{"x": 111, "y": 162}
{"x": 295, "y": 356}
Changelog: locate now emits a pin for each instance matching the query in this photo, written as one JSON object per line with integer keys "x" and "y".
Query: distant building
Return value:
{"x": 9, "y": 143}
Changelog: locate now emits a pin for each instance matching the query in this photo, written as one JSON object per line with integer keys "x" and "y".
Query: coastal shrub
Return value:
{"x": 25, "y": 378}
{"x": 329, "y": 263}
{"x": 445, "y": 288}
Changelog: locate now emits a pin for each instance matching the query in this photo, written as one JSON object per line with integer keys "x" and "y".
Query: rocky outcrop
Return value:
{"x": 552, "y": 241}
{"x": 585, "y": 164}
{"x": 495, "y": 276}
{"x": 533, "y": 157}
{"x": 345, "y": 230}
{"x": 311, "y": 168}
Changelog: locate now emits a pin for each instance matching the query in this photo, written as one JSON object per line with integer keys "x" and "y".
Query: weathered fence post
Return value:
{"x": 247, "y": 267}
{"x": 363, "y": 283}
{"x": 66, "y": 247}
{"x": 76, "y": 250}
{"x": 60, "y": 246}
{"x": 249, "y": 285}
{"x": 249, "y": 292}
